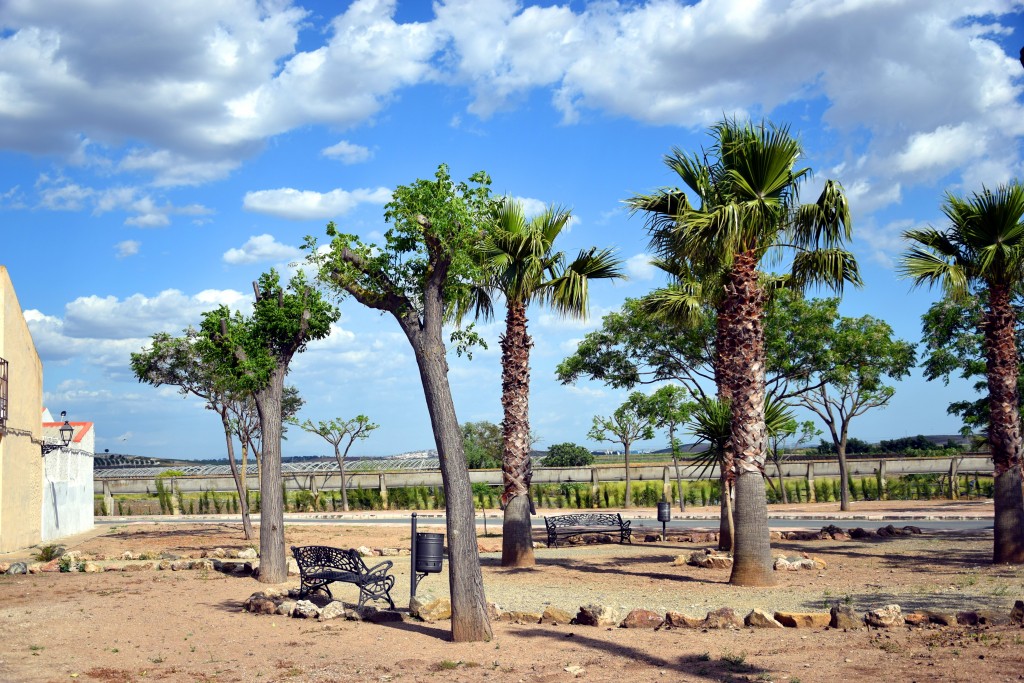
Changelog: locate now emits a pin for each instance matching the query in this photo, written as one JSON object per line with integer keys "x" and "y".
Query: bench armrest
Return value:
{"x": 381, "y": 568}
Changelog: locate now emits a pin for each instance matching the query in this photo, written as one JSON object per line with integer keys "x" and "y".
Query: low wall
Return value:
{"x": 67, "y": 494}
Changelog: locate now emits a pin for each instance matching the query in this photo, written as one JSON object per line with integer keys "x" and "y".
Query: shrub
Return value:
{"x": 567, "y": 455}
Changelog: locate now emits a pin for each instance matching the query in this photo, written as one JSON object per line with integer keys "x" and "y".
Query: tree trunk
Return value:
{"x": 344, "y": 484}
{"x": 273, "y": 562}
{"x": 629, "y": 482}
{"x": 726, "y": 525}
{"x": 679, "y": 474}
{"x": 783, "y": 496}
{"x": 239, "y": 481}
{"x": 517, "y": 534}
{"x": 470, "y": 622}
{"x": 844, "y": 483}
{"x": 1004, "y": 430}
{"x": 752, "y": 557}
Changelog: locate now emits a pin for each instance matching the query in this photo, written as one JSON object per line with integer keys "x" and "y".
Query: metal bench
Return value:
{"x": 566, "y": 526}
{"x": 320, "y": 565}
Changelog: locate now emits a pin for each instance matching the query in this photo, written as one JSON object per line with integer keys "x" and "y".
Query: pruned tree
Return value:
{"x": 669, "y": 408}
{"x": 858, "y": 356}
{"x": 255, "y": 351}
{"x": 422, "y": 274}
{"x": 336, "y": 432}
{"x": 177, "y": 362}
{"x": 631, "y": 422}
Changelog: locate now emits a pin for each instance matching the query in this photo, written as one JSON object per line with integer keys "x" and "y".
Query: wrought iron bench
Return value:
{"x": 566, "y": 526}
{"x": 320, "y": 565}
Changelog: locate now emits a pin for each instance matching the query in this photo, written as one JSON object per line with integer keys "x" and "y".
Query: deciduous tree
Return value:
{"x": 335, "y": 432}
{"x": 422, "y": 273}
{"x": 255, "y": 351}
{"x": 631, "y": 422}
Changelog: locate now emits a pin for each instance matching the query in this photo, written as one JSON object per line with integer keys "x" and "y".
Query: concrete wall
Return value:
{"x": 21, "y": 464}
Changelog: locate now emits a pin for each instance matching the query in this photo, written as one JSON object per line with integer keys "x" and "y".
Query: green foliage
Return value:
{"x": 483, "y": 444}
{"x": 853, "y": 445}
{"x": 907, "y": 443}
{"x": 567, "y": 455}
{"x": 250, "y": 349}
{"x": 48, "y": 552}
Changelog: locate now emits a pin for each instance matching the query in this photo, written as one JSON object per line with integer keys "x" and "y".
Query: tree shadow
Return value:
{"x": 697, "y": 664}
{"x": 626, "y": 566}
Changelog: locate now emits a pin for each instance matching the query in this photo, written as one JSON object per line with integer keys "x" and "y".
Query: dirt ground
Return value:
{"x": 120, "y": 626}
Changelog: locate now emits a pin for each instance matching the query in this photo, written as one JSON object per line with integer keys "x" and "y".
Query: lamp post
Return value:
{"x": 67, "y": 432}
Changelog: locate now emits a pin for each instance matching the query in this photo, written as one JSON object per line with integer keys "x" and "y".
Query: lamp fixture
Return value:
{"x": 67, "y": 432}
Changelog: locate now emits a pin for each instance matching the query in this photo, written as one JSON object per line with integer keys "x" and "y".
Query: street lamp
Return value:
{"x": 67, "y": 432}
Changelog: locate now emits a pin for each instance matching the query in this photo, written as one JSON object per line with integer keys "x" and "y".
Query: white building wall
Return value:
{"x": 68, "y": 490}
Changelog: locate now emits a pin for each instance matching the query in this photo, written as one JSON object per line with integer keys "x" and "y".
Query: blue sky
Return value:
{"x": 153, "y": 164}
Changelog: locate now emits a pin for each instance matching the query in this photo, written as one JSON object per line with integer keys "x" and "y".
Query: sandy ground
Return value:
{"x": 189, "y": 626}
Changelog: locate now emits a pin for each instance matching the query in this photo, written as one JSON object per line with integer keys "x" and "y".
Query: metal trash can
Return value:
{"x": 664, "y": 511}
{"x": 429, "y": 552}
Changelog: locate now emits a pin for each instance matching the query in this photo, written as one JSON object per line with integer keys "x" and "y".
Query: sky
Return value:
{"x": 153, "y": 163}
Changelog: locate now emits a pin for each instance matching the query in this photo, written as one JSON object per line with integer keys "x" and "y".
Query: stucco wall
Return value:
{"x": 21, "y": 466}
{"x": 67, "y": 494}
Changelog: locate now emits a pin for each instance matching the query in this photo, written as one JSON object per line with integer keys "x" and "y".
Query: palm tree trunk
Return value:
{"x": 517, "y": 535}
{"x": 744, "y": 302}
{"x": 1004, "y": 430}
{"x": 724, "y": 359}
{"x": 273, "y": 562}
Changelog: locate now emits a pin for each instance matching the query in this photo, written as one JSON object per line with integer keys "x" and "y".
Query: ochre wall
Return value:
{"x": 21, "y": 463}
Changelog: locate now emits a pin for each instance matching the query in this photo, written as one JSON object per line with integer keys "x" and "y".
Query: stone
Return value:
{"x": 364, "y": 551}
{"x": 845, "y": 617}
{"x": 521, "y": 617}
{"x": 680, "y": 561}
{"x": 333, "y": 610}
{"x": 218, "y": 553}
{"x": 91, "y": 567}
{"x": 555, "y": 616}
{"x": 129, "y": 555}
{"x": 889, "y": 616}
{"x": 179, "y": 565}
{"x": 428, "y": 607}
{"x": 723, "y": 617}
{"x": 372, "y": 615}
{"x": 642, "y": 618}
{"x": 911, "y": 529}
{"x": 983, "y": 617}
{"x": 51, "y": 566}
{"x": 259, "y": 603}
{"x": 494, "y": 611}
{"x": 293, "y": 567}
{"x": 4, "y": 566}
{"x": 247, "y": 554}
{"x": 652, "y": 538}
{"x": 164, "y": 565}
{"x": 709, "y": 559}
{"x": 760, "y": 619}
{"x": 389, "y": 552}
{"x": 597, "y": 615}
{"x": 1017, "y": 613}
{"x": 17, "y": 568}
{"x": 286, "y": 608}
{"x": 940, "y": 618}
{"x": 803, "y": 619}
{"x": 915, "y": 619}
{"x": 202, "y": 564}
{"x": 304, "y": 609}
{"x": 859, "y": 533}
{"x": 680, "y": 620}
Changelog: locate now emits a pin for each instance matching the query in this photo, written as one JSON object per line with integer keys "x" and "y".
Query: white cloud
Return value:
{"x": 941, "y": 149}
{"x": 127, "y": 248}
{"x": 260, "y": 248}
{"x": 95, "y": 317}
{"x": 308, "y": 205}
{"x": 886, "y": 241}
{"x": 347, "y": 152}
{"x": 639, "y": 267}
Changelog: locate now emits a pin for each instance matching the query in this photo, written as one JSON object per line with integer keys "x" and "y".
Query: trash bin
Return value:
{"x": 429, "y": 552}
{"x": 664, "y": 511}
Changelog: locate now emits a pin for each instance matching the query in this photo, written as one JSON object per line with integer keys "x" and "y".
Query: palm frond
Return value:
{"x": 832, "y": 268}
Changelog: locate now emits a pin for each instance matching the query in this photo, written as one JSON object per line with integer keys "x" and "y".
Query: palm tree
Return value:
{"x": 749, "y": 210}
{"x": 522, "y": 266}
{"x": 982, "y": 252}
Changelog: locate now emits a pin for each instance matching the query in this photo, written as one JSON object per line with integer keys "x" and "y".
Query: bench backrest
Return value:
{"x": 585, "y": 519}
{"x": 314, "y": 558}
